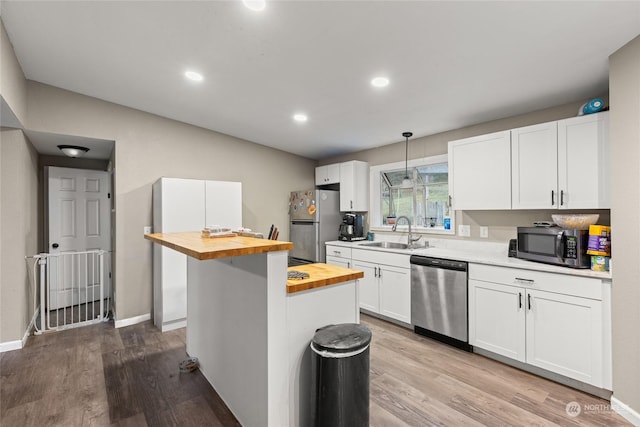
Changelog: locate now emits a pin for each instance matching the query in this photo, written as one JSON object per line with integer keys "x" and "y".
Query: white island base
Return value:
{"x": 252, "y": 337}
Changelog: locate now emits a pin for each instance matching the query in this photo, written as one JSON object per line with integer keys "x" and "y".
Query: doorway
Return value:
{"x": 77, "y": 221}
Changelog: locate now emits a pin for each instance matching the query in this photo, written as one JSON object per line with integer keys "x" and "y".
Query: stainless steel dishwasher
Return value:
{"x": 439, "y": 307}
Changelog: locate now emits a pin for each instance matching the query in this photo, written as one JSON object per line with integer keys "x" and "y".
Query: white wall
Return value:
{"x": 12, "y": 82}
{"x": 624, "y": 66}
{"x": 148, "y": 147}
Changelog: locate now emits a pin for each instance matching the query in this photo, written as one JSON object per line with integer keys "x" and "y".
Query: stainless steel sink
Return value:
{"x": 387, "y": 245}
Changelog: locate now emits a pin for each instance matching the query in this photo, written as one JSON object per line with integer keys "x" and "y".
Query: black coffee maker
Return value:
{"x": 351, "y": 227}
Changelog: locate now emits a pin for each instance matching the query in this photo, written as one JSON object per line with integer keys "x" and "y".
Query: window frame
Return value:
{"x": 375, "y": 216}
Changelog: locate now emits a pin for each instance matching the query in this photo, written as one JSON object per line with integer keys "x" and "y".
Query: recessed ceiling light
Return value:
{"x": 192, "y": 75}
{"x": 256, "y": 5}
{"x": 300, "y": 117}
{"x": 380, "y": 82}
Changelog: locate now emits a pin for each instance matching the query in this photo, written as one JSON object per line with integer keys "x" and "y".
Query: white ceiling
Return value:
{"x": 451, "y": 64}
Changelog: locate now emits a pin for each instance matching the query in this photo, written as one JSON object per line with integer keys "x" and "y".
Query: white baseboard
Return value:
{"x": 176, "y": 324}
{"x": 626, "y": 411}
{"x": 132, "y": 320}
{"x": 19, "y": 344}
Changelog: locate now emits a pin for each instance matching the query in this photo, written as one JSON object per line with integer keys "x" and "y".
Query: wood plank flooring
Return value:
{"x": 101, "y": 376}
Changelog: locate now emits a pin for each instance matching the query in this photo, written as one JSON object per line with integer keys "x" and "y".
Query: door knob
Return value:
{"x": 55, "y": 246}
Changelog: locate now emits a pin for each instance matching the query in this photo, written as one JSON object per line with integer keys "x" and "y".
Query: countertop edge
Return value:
{"x": 330, "y": 275}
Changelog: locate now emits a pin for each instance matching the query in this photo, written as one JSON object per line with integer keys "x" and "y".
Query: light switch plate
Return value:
{"x": 147, "y": 229}
{"x": 484, "y": 232}
{"x": 464, "y": 230}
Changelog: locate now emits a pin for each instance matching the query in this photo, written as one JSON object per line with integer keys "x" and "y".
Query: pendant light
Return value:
{"x": 406, "y": 181}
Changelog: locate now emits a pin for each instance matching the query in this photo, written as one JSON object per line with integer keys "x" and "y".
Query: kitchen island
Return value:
{"x": 250, "y": 327}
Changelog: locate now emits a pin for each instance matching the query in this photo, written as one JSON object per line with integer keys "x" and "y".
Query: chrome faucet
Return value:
{"x": 410, "y": 238}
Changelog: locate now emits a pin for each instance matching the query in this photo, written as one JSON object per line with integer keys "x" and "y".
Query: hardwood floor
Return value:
{"x": 101, "y": 376}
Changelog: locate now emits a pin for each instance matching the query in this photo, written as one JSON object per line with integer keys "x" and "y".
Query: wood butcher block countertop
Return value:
{"x": 321, "y": 275}
{"x": 198, "y": 247}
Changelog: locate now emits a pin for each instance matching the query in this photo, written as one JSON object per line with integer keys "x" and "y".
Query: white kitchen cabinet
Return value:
{"x": 562, "y": 164}
{"x": 185, "y": 205}
{"x": 480, "y": 172}
{"x": 534, "y": 167}
{"x": 328, "y": 174}
{"x": 552, "y": 321}
{"x": 386, "y": 286}
{"x": 354, "y": 186}
{"x": 584, "y": 167}
{"x": 496, "y": 319}
{"x": 338, "y": 255}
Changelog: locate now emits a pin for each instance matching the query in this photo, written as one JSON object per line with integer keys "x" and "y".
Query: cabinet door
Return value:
{"x": 354, "y": 186}
{"x": 564, "y": 335}
{"x": 534, "y": 168}
{"x": 480, "y": 172}
{"x": 395, "y": 292}
{"x": 369, "y": 292}
{"x": 341, "y": 262}
{"x": 583, "y": 162}
{"x": 328, "y": 174}
{"x": 497, "y": 318}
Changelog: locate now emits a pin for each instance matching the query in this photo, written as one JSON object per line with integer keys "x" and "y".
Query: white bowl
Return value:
{"x": 575, "y": 221}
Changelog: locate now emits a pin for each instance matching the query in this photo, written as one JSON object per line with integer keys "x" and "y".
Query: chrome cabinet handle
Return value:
{"x": 553, "y": 201}
{"x": 525, "y": 281}
{"x": 561, "y": 197}
{"x": 529, "y": 301}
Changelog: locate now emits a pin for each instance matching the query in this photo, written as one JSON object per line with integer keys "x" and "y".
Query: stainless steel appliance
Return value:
{"x": 554, "y": 245}
{"x": 314, "y": 219}
{"x": 439, "y": 307}
{"x": 351, "y": 227}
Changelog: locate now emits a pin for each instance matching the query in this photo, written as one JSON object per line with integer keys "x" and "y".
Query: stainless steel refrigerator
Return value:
{"x": 314, "y": 218}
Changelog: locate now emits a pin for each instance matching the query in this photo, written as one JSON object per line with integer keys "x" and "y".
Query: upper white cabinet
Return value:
{"x": 534, "y": 170}
{"x": 328, "y": 174}
{"x": 563, "y": 164}
{"x": 584, "y": 167}
{"x": 354, "y": 186}
{"x": 480, "y": 172}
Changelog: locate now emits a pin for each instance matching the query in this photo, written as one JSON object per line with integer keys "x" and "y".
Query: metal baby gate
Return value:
{"x": 74, "y": 289}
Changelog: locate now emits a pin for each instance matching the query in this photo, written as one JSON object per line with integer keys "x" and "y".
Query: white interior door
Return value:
{"x": 78, "y": 220}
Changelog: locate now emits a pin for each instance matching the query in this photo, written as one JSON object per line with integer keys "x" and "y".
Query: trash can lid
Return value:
{"x": 342, "y": 338}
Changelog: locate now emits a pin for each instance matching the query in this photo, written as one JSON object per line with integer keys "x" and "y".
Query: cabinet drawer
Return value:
{"x": 339, "y": 251}
{"x": 586, "y": 287}
{"x": 381, "y": 257}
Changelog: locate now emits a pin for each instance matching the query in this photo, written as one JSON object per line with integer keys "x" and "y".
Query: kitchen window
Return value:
{"x": 425, "y": 202}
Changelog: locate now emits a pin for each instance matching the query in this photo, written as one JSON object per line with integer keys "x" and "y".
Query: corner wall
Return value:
{"x": 12, "y": 82}
{"x": 18, "y": 235}
{"x": 624, "y": 86}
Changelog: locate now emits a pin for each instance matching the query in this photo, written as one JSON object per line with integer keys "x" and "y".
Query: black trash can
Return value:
{"x": 340, "y": 375}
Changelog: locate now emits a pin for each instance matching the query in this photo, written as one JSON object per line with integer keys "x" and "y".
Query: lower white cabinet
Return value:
{"x": 386, "y": 286}
{"x": 552, "y": 321}
{"x": 338, "y": 255}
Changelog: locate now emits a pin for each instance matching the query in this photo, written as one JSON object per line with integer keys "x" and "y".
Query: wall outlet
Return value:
{"x": 147, "y": 229}
{"x": 484, "y": 232}
{"x": 464, "y": 230}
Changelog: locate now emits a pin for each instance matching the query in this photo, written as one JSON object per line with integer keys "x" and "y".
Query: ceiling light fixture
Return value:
{"x": 300, "y": 117}
{"x": 380, "y": 82}
{"x": 406, "y": 181}
{"x": 192, "y": 75}
{"x": 256, "y": 5}
{"x": 73, "y": 150}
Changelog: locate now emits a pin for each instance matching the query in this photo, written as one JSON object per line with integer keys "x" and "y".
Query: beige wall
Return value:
{"x": 18, "y": 232}
{"x": 148, "y": 147}
{"x": 12, "y": 82}
{"x": 502, "y": 224}
{"x": 624, "y": 88}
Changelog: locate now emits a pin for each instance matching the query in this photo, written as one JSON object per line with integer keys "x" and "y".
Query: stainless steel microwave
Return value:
{"x": 554, "y": 245}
